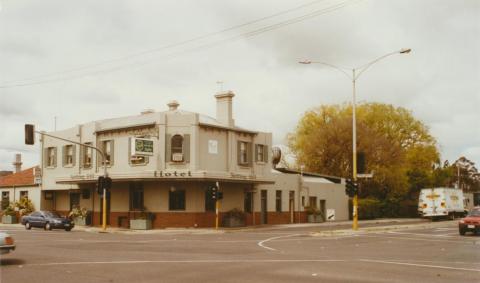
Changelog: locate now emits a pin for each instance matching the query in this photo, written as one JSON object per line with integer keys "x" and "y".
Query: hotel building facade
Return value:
{"x": 188, "y": 154}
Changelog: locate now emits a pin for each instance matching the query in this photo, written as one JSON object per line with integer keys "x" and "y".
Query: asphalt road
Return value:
{"x": 432, "y": 254}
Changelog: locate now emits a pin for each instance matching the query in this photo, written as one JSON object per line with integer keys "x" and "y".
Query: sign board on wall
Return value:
{"x": 330, "y": 214}
{"x": 213, "y": 146}
{"x": 141, "y": 146}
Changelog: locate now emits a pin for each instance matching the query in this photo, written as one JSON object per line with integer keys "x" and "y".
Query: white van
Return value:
{"x": 441, "y": 203}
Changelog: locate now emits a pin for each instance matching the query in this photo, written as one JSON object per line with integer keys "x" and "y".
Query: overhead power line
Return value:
{"x": 315, "y": 13}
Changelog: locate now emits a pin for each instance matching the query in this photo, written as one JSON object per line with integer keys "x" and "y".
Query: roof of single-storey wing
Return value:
{"x": 333, "y": 179}
{"x": 23, "y": 178}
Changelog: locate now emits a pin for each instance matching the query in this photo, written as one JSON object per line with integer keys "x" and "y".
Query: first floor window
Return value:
{"x": 136, "y": 197}
{"x": 87, "y": 155}
{"x": 68, "y": 155}
{"x": 278, "y": 201}
{"x": 51, "y": 157}
{"x": 176, "y": 199}
{"x": 108, "y": 151}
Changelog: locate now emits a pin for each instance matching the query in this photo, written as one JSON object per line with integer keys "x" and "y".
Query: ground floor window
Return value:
{"x": 176, "y": 199}
{"x": 209, "y": 201}
{"x": 247, "y": 207}
{"x": 23, "y": 194}
{"x": 5, "y": 200}
{"x": 312, "y": 202}
{"x": 74, "y": 200}
{"x": 136, "y": 197}
{"x": 278, "y": 201}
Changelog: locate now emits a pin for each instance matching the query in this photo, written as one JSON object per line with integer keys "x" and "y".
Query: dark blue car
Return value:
{"x": 47, "y": 220}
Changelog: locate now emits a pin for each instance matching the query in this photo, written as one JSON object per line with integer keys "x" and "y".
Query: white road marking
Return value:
{"x": 420, "y": 265}
{"x": 185, "y": 261}
{"x": 419, "y": 234}
{"x": 420, "y": 239}
{"x": 260, "y": 244}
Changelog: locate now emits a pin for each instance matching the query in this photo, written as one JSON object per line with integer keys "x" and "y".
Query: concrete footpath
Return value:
{"x": 317, "y": 229}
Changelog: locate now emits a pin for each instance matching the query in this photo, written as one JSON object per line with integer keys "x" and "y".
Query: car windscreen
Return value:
{"x": 52, "y": 214}
{"x": 475, "y": 212}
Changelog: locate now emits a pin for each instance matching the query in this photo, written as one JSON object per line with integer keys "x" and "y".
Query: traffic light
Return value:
{"x": 103, "y": 182}
{"x": 214, "y": 192}
{"x": 351, "y": 188}
{"x": 29, "y": 134}
{"x": 107, "y": 183}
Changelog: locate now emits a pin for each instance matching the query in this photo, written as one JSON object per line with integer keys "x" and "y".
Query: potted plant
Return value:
{"x": 234, "y": 218}
{"x": 313, "y": 214}
{"x": 143, "y": 221}
{"x": 24, "y": 206}
{"x": 9, "y": 214}
{"x": 79, "y": 215}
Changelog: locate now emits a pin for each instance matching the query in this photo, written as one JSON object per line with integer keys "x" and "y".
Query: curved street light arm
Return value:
{"x": 329, "y": 65}
{"x": 365, "y": 67}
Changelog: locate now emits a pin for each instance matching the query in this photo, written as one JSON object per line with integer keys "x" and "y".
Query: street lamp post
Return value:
{"x": 356, "y": 72}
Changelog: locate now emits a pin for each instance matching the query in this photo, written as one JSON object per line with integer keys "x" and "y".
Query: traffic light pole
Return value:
{"x": 105, "y": 174}
{"x": 217, "y": 207}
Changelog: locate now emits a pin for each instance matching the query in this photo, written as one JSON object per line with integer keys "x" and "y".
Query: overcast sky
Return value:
{"x": 88, "y": 60}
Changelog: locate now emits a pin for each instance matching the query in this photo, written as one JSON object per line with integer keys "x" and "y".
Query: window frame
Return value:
{"x": 87, "y": 152}
{"x": 278, "y": 201}
{"x": 136, "y": 190}
{"x": 51, "y": 157}
{"x": 69, "y": 152}
{"x": 23, "y": 194}
{"x": 177, "y": 199}
{"x": 109, "y": 161}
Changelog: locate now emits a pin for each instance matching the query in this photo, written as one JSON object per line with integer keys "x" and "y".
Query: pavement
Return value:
{"x": 381, "y": 251}
{"x": 325, "y": 226}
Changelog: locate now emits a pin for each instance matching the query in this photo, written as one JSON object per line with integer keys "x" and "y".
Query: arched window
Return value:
{"x": 177, "y": 144}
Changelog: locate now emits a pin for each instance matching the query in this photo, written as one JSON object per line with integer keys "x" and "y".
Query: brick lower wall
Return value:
{"x": 192, "y": 219}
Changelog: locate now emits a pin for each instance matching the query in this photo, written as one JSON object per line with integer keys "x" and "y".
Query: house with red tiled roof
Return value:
{"x": 25, "y": 183}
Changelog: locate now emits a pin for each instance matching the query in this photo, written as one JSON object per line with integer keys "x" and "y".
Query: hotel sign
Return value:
{"x": 141, "y": 146}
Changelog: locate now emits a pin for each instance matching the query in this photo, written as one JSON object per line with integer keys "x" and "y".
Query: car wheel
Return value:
{"x": 68, "y": 229}
{"x": 28, "y": 226}
{"x": 461, "y": 231}
{"x": 48, "y": 226}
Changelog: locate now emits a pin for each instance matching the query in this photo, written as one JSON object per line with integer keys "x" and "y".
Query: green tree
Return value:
{"x": 398, "y": 148}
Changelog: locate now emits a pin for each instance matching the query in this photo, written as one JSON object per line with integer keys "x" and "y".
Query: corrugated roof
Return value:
{"x": 23, "y": 178}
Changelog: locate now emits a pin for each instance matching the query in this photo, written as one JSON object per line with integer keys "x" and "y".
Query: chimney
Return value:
{"x": 224, "y": 108}
{"x": 172, "y": 105}
{"x": 18, "y": 162}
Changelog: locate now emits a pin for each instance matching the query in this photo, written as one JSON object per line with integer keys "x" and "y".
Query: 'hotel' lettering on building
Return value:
{"x": 174, "y": 174}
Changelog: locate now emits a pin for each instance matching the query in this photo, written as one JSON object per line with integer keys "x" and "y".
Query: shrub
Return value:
{"x": 77, "y": 211}
{"x": 25, "y": 206}
{"x": 10, "y": 210}
{"x": 369, "y": 208}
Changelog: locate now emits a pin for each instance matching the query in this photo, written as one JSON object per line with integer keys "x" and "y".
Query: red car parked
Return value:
{"x": 471, "y": 222}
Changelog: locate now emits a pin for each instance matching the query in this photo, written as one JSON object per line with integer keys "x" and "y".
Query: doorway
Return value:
{"x": 108, "y": 208}
{"x": 291, "y": 205}
{"x": 323, "y": 210}
{"x": 263, "y": 211}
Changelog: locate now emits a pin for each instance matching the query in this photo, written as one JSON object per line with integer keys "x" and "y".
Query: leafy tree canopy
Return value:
{"x": 398, "y": 148}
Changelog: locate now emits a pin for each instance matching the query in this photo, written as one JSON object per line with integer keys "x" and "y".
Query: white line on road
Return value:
{"x": 260, "y": 244}
{"x": 419, "y": 234}
{"x": 420, "y": 265}
{"x": 185, "y": 261}
{"x": 420, "y": 239}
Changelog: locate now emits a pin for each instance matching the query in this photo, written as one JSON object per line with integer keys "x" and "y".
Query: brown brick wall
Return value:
{"x": 189, "y": 219}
